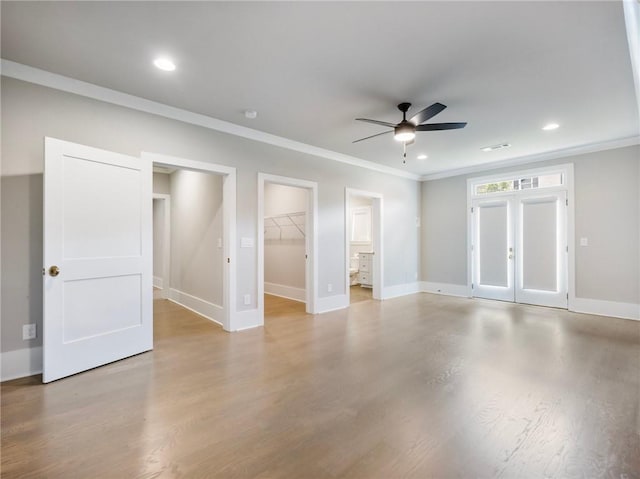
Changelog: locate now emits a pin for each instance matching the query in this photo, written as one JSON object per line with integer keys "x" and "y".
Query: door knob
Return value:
{"x": 54, "y": 271}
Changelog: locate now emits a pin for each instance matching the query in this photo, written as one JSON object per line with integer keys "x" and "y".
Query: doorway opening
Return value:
{"x": 287, "y": 238}
{"x": 363, "y": 245}
{"x": 285, "y": 213}
{"x": 198, "y": 236}
{"x": 520, "y": 229}
{"x": 161, "y": 244}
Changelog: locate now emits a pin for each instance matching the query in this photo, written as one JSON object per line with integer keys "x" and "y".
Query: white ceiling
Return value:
{"x": 311, "y": 68}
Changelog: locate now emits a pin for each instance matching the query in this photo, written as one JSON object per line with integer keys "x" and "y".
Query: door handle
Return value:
{"x": 54, "y": 271}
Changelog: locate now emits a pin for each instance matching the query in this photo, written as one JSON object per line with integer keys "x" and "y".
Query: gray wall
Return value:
{"x": 31, "y": 112}
{"x": 196, "y": 227}
{"x": 284, "y": 262}
{"x": 607, "y": 212}
{"x": 21, "y": 244}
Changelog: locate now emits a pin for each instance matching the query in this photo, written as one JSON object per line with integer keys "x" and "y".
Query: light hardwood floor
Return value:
{"x": 357, "y": 293}
{"x": 420, "y": 386}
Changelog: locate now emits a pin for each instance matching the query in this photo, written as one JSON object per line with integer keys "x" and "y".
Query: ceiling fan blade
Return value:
{"x": 440, "y": 126}
{"x": 373, "y": 136}
{"x": 376, "y": 122}
{"x": 428, "y": 113}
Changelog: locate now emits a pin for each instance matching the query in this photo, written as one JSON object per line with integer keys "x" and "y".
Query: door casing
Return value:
{"x": 376, "y": 238}
{"x": 230, "y": 317}
{"x": 311, "y": 239}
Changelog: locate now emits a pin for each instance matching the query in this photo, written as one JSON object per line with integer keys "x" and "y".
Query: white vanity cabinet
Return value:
{"x": 365, "y": 270}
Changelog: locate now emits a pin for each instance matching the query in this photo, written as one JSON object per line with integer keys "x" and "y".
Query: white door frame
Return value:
{"x": 228, "y": 173}
{"x": 568, "y": 175}
{"x": 311, "y": 239}
{"x": 166, "y": 243}
{"x": 377, "y": 230}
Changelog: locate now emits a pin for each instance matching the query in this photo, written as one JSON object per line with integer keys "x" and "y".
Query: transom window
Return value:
{"x": 518, "y": 184}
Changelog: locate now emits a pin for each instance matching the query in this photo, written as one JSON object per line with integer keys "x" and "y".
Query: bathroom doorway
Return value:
{"x": 363, "y": 245}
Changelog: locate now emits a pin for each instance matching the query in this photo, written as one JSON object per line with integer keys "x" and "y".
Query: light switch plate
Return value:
{"x": 29, "y": 331}
{"x": 584, "y": 241}
{"x": 246, "y": 242}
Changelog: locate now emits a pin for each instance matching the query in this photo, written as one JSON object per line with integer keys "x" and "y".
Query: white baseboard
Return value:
{"x": 605, "y": 308}
{"x": 21, "y": 363}
{"x": 398, "y": 290}
{"x": 204, "y": 308}
{"x": 331, "y": 303}
{"x": 448, "y": 289}
{"x": 283, "y": 291}
{"x": 157, "y": 282}
{"x": 248, "y": 319}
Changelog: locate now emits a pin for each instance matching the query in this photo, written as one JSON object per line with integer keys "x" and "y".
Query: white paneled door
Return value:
{"x": 519, "y": 250}
{"x": 97, "y": 258}
{"x": 541, "y": 258}
{"x": 493, "y": 249}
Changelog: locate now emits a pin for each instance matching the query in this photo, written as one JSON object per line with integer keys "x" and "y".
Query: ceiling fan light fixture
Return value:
{"x": 404, "y": 132}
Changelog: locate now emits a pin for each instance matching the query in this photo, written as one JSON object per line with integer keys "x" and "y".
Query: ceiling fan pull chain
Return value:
{"x": 404, "y": 152}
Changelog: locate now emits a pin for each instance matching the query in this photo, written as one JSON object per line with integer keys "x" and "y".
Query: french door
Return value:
{"x": 519, "y": 248}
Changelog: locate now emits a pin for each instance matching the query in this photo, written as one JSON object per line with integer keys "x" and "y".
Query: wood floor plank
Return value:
{"x": 419, "y": 386}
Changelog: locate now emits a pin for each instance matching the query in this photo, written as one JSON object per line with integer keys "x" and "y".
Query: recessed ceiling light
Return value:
{"x": 164, "y": 64}
{"x": 422, "y": 157}
{"x": 251, "y": 114}
{"x": 496, "y": 147}
{"x": 550, "y": 126}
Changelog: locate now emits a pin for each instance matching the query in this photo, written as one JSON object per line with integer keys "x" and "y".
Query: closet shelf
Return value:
{"x": 286, "y": 220}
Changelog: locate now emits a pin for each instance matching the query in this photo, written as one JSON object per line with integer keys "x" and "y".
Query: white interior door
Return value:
{"x": 493, "y": 254}
{"x": 542, "y": 250}
{"x": 97, "y": 233}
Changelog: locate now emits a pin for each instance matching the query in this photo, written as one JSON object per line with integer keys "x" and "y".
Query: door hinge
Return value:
{"x": 471, "y": 247}
{"x": 567, "y": 248}
{"x": 567, "y": 295}
{"x": 472, "y": 209}
{"x": 566, "y": 202}
{"x": 472, "y": 287}
{"x": 228, "y": 260}
{"x": 306, "y": 256}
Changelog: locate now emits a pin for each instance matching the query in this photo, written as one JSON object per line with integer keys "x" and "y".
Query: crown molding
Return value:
{"x": 549, "y": 155}
{"x": 47, "y": 79}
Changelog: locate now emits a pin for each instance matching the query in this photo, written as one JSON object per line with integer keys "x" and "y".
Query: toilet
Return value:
{"x": 353, "y": 270}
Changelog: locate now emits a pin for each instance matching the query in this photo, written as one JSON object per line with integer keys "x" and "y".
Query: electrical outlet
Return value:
{"x": 247, "y": 299}
{"x": 28, "y": 331}
{"x": 329, "y": 288}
